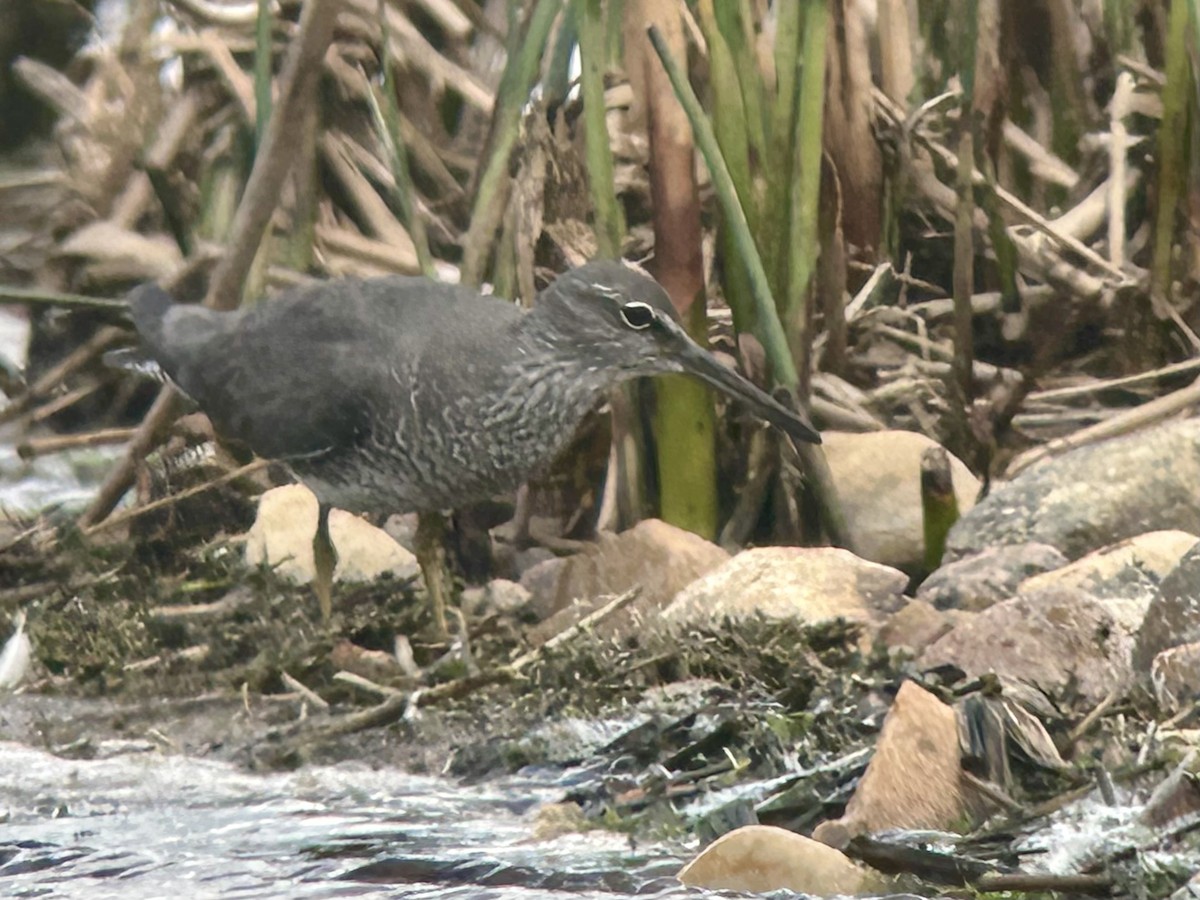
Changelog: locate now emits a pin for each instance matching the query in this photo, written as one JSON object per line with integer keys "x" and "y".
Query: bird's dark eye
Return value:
{"x": 637, "y": 315}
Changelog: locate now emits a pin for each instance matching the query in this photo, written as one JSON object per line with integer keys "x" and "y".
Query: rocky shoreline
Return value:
{"x": 1053, "y": 658}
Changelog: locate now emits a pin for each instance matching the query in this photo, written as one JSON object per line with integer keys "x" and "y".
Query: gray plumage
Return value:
{"x": 403, "y": 394}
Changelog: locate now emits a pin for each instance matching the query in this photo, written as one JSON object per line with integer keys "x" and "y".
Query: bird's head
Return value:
{"x": 614, "y": 318}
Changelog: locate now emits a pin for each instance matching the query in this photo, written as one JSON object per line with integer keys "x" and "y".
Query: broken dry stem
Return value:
{"x": 31, "y": 448}
{"x": 1147, "y": 414}
{"x": 81, "y": 356}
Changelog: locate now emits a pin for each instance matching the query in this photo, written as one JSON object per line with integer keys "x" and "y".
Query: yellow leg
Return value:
{"x": 324, "y": 562}
{"x": 431, "y": 555}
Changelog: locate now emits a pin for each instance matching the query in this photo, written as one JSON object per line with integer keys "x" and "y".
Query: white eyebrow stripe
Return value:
{"x": 604, "y": 289}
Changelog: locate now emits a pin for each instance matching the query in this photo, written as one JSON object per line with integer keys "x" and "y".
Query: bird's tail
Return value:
{"x": 136, "y": 361}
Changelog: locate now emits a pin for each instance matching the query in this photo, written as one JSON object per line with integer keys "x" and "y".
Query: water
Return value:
{"x": 65, "y": 481}
{"x": 145, "y": 825}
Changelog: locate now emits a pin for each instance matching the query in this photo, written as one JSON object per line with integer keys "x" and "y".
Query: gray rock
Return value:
{"x": 1054, "y": 638}
{"x": 497, "y": 596}
{"x": 988, "y": 577}
{"x": 1173, "y": 617}
{"x": 1094, "y": 496}
{"x": 402, "y": 527}
{"x": 541, "y": 580}
{"x": 526, "y": 559}
{"x": 1128, "y": 573}
{"x": 1175, "y": 676}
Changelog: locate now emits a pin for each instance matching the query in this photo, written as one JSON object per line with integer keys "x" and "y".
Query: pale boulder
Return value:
{"x": 282, "y": 537}
{"x": 762, "y": 858}
{"x": 282, "y": 534}
{"x": 811, "y": 585}
{"x": 365, "y": 553}
{"x": 878, "y": 479}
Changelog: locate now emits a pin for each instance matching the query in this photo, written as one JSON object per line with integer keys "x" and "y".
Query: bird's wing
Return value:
{"x": 312, "y": 370}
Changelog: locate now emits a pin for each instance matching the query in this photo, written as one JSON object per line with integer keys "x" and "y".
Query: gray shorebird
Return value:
{"x": 403, "y": 394}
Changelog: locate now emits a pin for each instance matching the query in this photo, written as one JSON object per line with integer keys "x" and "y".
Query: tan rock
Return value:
{"x": 282, "y": 537}
{"x": 659, "y": 558}
{"x": 914, "y": 780}
{"x": 364, "y": 552}
{"x": 878, "y": 481}
{"x": 1156, "y": 552}
{"x": 282, "y": 533}
{"x": 809, "y": 584}
{"x": 762, "y": 858}
{"x": 916, "y": 625}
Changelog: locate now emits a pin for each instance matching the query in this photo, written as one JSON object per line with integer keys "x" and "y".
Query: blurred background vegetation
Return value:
{"x": 970, "y": 218}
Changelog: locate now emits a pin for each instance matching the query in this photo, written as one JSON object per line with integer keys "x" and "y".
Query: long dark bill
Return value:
{"x": 697, "y": 361}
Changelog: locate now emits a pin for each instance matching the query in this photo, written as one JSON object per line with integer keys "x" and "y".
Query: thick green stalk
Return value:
{"x": 735, "y": 21}
{"x": 557, "y": 81}
{"x": 1194, "y": 20}
{"x": 1119, "y": 23}
{"x": 729, "y": 124}
{"x": 1002, "y": 246}
{"x": 787, "y": 71}
{"x": 806, "y": 179}
{"x": 300, "y": 240}
{"x": 490, "y": 194}
{"x": 964, "y": 235}
{"x": 684, "y": 432}
{"x": 386, "y": 113}
{"x": 685, "y": 420}
{"x": 778, "y": 165}
{"x": 939, "y": 504}
{"x": 729, "y": 116}
{"x": 609, "y": 224}
{"x": 770, "y": 331}
{"x": 262, "y": 70}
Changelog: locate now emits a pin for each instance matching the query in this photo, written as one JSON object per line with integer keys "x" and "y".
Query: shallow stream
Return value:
{"x": 141, "y": 824}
